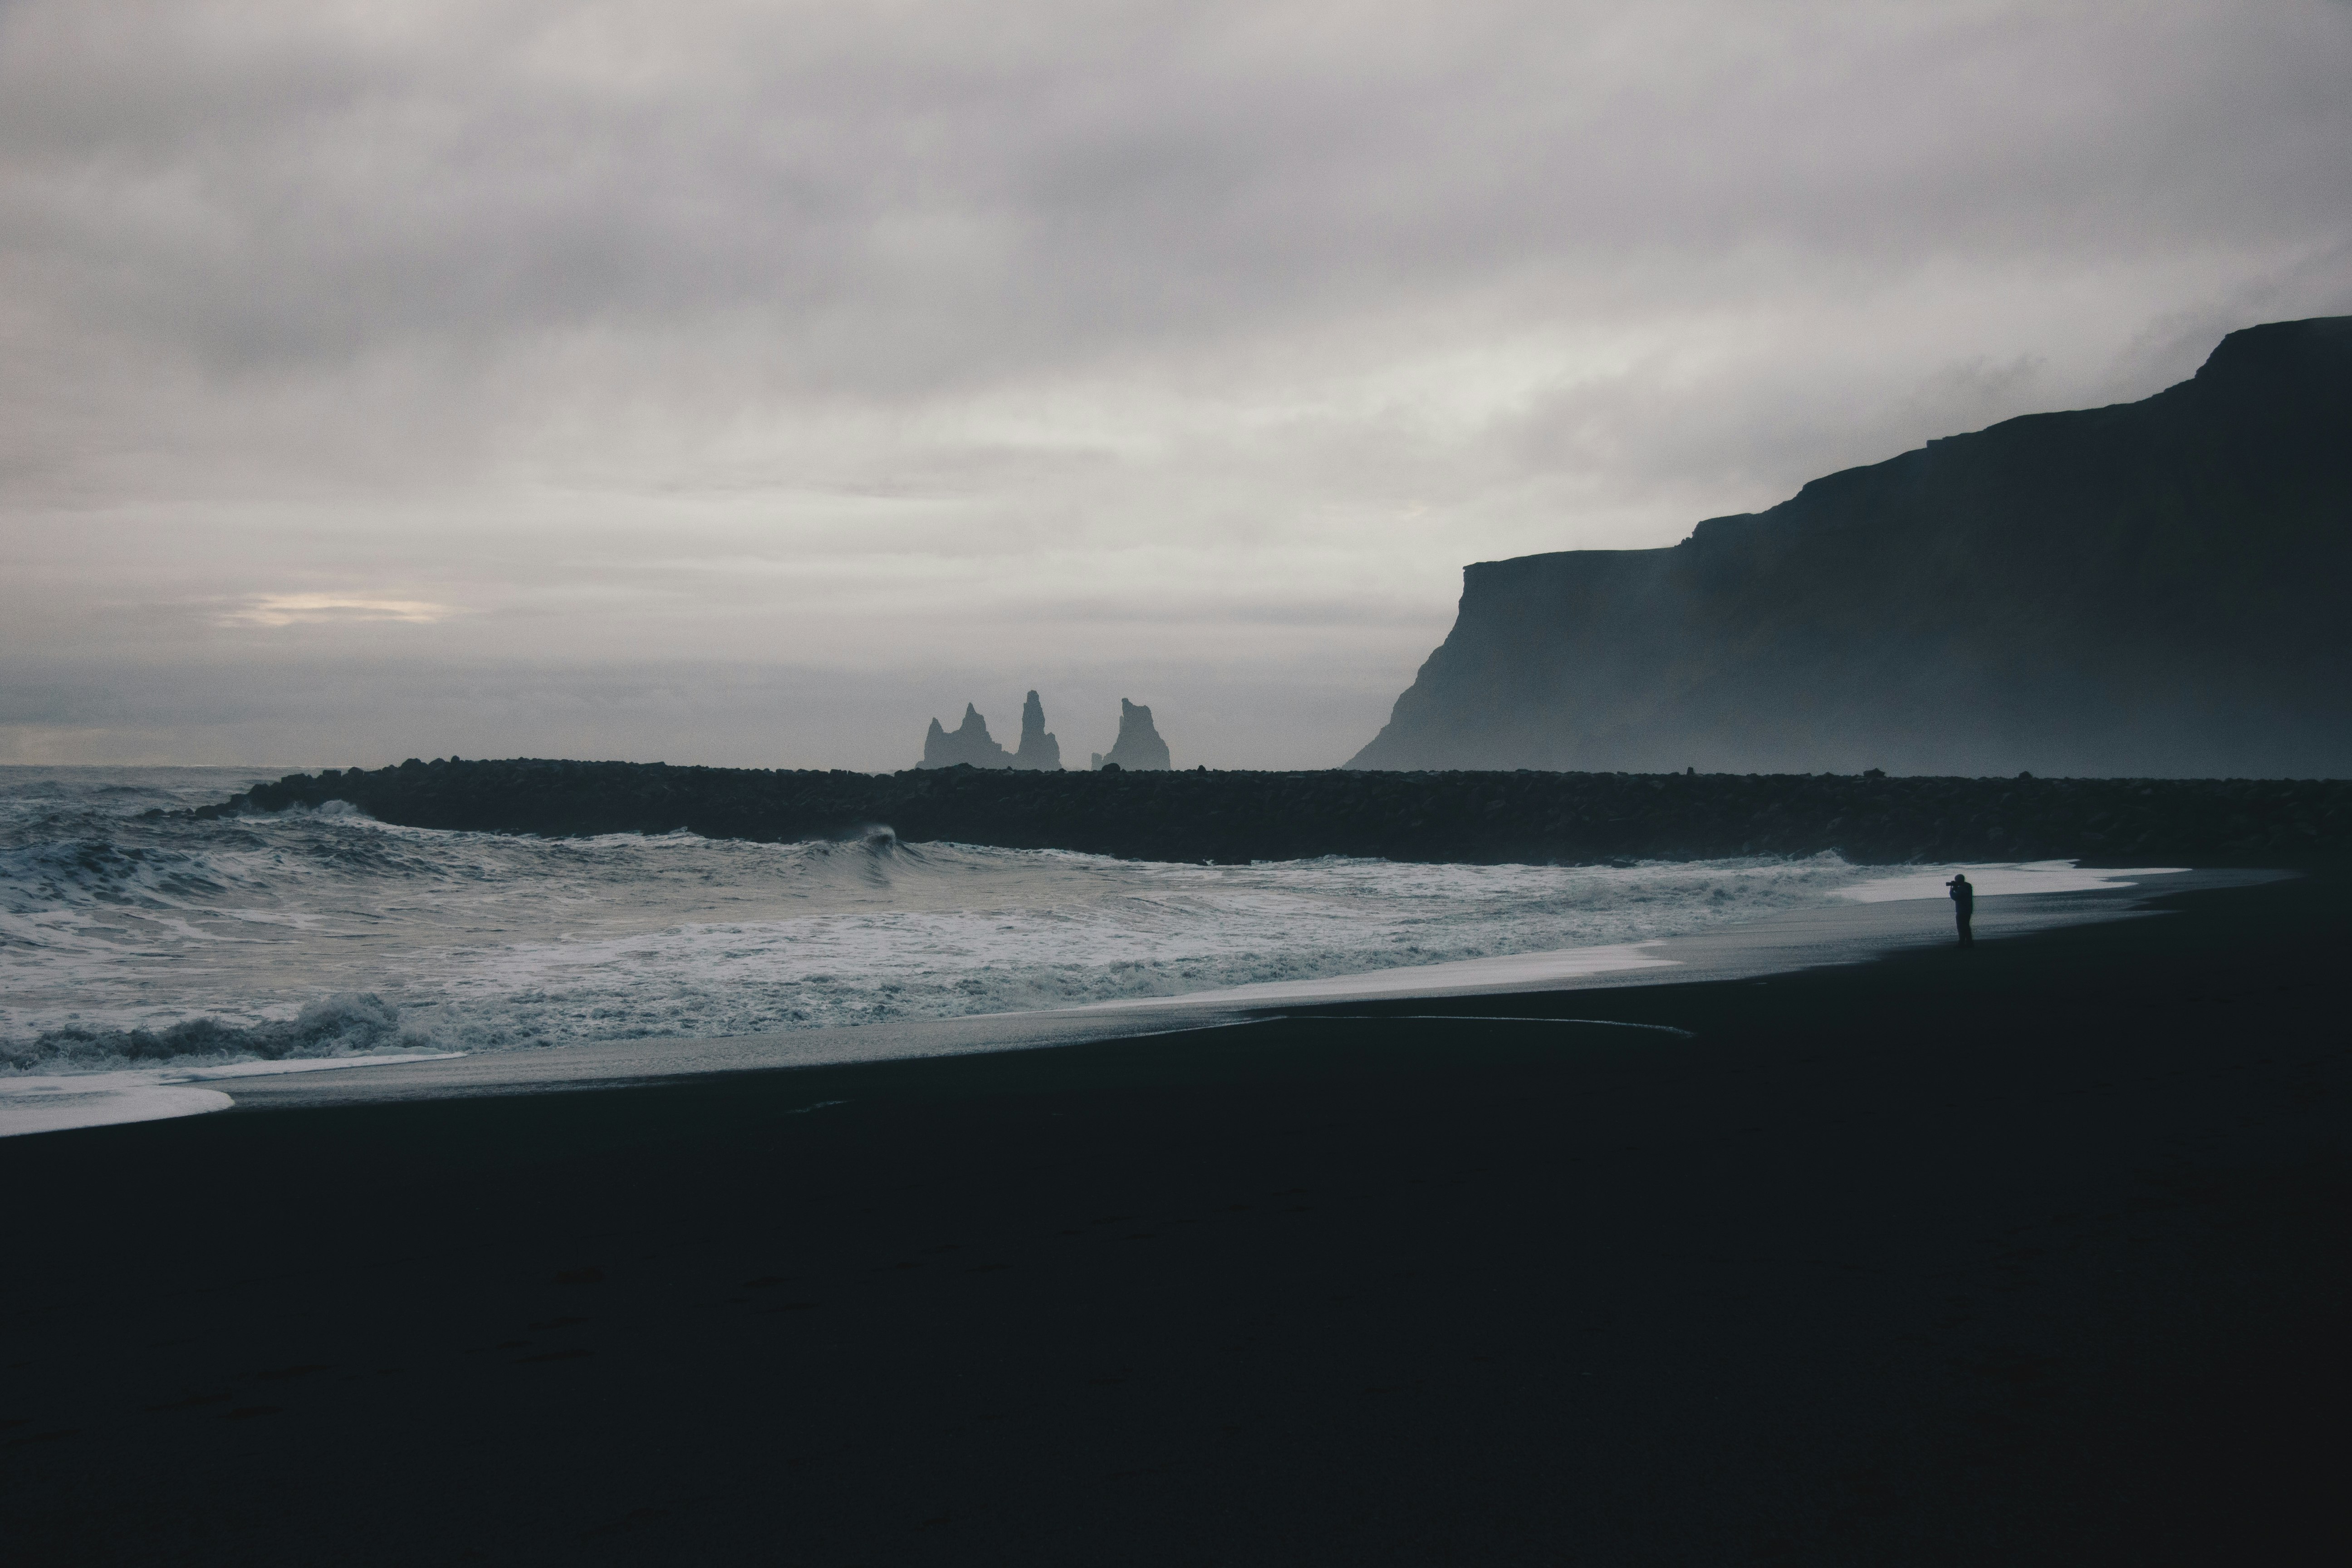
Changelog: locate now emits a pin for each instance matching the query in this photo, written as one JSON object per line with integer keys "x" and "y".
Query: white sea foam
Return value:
{"x": 29, "y": 1103}
{"x": 132, "y": 943}
{"x": 95, "y": 1099}
{"x": 1519, "y": 970}
{"x": 1991, "y": 878}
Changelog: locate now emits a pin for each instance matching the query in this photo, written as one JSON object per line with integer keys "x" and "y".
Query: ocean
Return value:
{"x": 130, "y": 940}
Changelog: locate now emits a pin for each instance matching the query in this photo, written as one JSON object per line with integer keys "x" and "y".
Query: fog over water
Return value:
{"x": 748, "y": 383}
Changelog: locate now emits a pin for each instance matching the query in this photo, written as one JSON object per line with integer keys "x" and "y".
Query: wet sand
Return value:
{"x": 2036, "y": 1253}
{"x": 1838, "y": 932}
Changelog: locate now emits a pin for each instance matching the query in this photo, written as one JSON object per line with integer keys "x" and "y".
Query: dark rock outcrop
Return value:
{"x": 1138, "y": 747}
{"x": 2152, "y": 588}
{"x": 968, "y": 742}
{"x": 1571, "y": 818}
{"x": 1039, "y": 750}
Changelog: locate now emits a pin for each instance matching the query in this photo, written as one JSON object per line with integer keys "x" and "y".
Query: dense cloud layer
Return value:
{"x": 1187, "y": 349}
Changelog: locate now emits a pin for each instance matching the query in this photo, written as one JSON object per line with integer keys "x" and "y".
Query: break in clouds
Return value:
{"x": 751, "y": 384}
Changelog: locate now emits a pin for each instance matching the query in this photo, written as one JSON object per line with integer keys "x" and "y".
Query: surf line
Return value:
{"x": 1475, "y": 1018}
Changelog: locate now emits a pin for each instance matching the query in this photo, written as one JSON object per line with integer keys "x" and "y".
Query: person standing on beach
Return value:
{"x": 1964, "y": 906}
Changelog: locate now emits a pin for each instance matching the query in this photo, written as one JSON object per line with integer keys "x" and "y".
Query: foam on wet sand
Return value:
{"x": 60, "y": 1102}
{"x": 1842, "y": 932}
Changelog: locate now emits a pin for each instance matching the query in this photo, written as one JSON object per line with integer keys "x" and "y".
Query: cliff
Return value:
{"x": 2155, "y": 588}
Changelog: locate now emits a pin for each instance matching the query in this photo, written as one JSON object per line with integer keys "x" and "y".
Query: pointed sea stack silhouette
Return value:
{"x": 1138, "y": 748}
{"x": 1039, "y": 750}
{"x": 970, "y": 741}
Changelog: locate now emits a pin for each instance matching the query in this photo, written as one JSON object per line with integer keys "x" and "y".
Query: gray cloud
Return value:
{"x": 1201, "y": 341}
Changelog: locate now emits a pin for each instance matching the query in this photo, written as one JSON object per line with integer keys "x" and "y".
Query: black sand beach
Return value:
{"x": 2032, "y": 1254}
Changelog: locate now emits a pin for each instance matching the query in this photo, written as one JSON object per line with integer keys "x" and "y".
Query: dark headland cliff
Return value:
{"x": 2156, "y": 588}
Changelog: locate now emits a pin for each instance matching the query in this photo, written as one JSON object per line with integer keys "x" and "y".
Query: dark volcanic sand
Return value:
{"x": 2033, "y": 1254}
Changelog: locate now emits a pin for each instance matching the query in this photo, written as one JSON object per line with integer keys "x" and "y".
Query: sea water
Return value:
{"x": 129, "y": 941}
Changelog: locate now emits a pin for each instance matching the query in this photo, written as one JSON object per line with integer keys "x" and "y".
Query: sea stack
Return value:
{"x": 969, "y": 742}
{"x": 1138, "y": 747}
{"x": 1039, "y": 750}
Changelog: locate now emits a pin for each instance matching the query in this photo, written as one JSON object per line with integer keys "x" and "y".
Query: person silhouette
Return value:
{"x": 1964, "y": 906}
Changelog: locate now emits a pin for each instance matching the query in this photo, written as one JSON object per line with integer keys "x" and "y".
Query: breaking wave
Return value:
{"x": 344, "y": 1025}
{"x": 129, "y": 933}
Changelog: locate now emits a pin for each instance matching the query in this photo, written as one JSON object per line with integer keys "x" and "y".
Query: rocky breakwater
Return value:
{"x": 1570, "y": 818}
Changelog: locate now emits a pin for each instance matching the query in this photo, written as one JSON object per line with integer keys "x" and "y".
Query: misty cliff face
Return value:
{"x": 1039, "y": 750}
{"x": 969, "y": 741}
{"x": 2152, "y": 588}
{"x": 1138, "y": 748}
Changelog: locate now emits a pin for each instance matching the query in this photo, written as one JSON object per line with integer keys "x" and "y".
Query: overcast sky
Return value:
{"x": 750, "y": 382}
